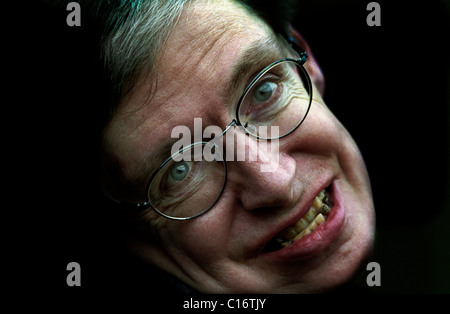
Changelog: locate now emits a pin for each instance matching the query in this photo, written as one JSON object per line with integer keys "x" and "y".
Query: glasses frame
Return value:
{"x": 302, "y": 57}
{"x": 300, "y": 61}
{"x": 149, "y": 204}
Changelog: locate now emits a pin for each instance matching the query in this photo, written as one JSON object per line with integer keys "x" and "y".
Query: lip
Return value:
{"x": 318, "y": 240}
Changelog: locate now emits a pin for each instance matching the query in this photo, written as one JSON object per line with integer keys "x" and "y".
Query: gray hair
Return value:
{"x": 135, "y": 32}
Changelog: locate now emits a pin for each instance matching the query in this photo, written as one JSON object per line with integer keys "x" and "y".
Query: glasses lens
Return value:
{"x": 187, "y": 184}
{"x": 277, "y": 101}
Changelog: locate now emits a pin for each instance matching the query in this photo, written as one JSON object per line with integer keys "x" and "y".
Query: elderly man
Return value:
{"x": 294, "y": 214}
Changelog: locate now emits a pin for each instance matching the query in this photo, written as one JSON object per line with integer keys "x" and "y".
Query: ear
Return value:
{"x": 311, "y": 65}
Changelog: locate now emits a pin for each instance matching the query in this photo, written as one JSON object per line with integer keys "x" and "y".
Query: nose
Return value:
{"x": 260, "y": 175}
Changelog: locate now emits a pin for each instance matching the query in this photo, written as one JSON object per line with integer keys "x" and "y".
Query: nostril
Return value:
{"x": 260, "y": 193}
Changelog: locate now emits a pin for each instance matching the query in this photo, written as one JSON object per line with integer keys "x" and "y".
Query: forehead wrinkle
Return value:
{"x": 204, "y": 35}
{"x": 205, "y": 23}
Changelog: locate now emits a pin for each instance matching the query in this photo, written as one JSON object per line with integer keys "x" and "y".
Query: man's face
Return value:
{"x": 225, "y": 250}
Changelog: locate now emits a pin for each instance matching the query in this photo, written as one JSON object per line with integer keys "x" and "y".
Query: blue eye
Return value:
{"x": 178, "y": 172}
{"x": 264, "y": 91}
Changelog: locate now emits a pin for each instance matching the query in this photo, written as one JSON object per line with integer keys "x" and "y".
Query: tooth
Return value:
{"x": 314, "y": 224}
{"x": 321, "y": 195}
{"x": 319, "y": 219}
{"x": 317, "y": 204}
{"x": 311, "y": 214}
{"x": 302, "y": 234}
{"x": 301, "y": 224}
{"x": 284, "y": 244}
{"x": 288, "y": 233}
{"x": 325, "y": 209}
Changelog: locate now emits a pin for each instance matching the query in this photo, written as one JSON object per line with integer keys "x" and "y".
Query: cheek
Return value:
{"x": 323, "y": 136}
{"x": 353, "y": 173}
{"x": 203, "y": 239}
{"x": 348, "y": 156}
{"x": 320, "y": 135}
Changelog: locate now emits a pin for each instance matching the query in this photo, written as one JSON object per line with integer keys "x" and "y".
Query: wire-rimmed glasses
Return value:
{"x": 278, "y": 98}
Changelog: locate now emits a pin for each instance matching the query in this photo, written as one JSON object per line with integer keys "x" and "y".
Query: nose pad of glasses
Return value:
{"x": 249, "y": 128}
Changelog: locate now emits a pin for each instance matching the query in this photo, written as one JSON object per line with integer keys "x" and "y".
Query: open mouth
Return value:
{"x": 317, "y": 214}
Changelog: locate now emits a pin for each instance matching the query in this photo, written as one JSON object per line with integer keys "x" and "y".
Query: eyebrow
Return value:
{"x": 255, "y": 57}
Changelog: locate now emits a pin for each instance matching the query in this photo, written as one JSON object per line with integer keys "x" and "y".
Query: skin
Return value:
{"x": 218, "y": 251}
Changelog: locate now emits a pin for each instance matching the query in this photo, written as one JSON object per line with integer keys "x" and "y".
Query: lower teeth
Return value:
{"x": 319, "y": 219}
{"x": 316, "y": 215}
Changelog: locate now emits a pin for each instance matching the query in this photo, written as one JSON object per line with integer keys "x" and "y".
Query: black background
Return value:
{"x": 389, "y": 86}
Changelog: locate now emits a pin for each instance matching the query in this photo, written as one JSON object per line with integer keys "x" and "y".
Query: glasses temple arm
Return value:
{"x": 301, "y": 53}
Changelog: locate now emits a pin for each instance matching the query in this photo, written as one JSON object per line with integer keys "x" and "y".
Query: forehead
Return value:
{"x": 193, "y": 64}
{"x": 209, "y": 33}
{"x": 210, "y": 24}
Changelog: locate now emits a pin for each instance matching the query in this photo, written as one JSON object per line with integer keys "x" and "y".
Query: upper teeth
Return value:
{"x": 308, "y": 223}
